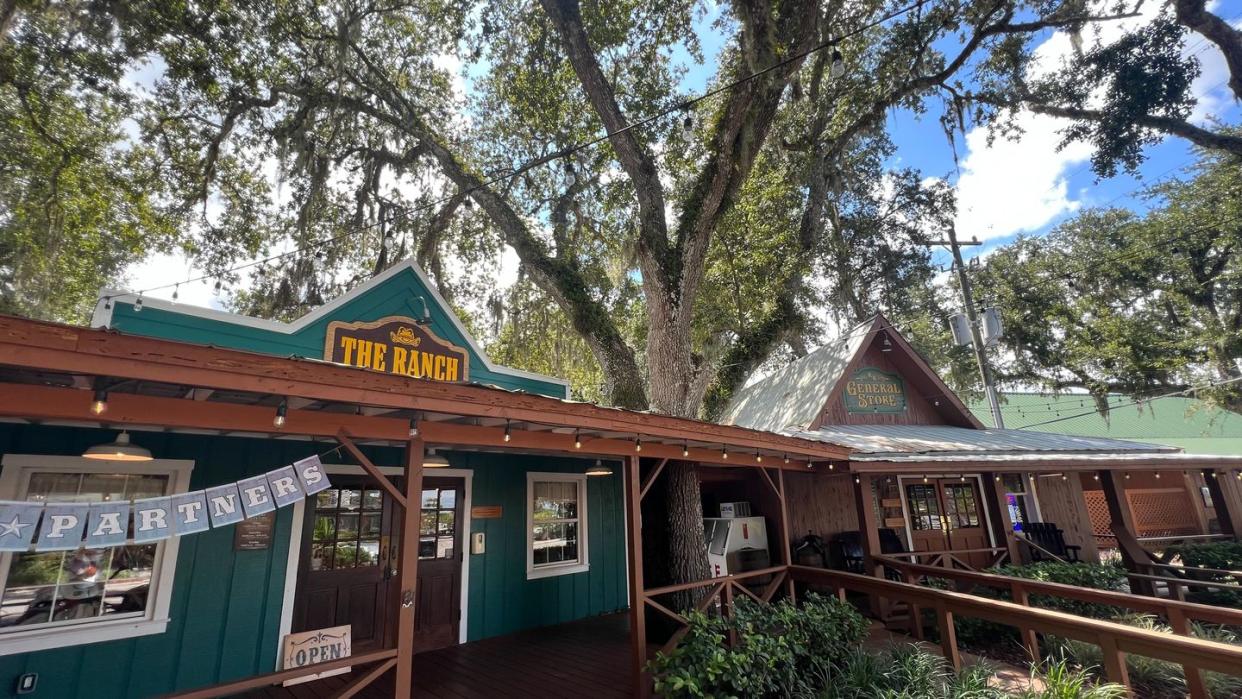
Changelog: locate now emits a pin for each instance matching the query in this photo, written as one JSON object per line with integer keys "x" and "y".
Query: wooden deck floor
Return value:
{"x": 588, "y": 658}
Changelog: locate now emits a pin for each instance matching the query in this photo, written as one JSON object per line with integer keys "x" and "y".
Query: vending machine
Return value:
{"x": 736, "y": 544}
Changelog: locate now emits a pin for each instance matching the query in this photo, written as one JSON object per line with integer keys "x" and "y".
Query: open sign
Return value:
{"x": 312, "y": 647}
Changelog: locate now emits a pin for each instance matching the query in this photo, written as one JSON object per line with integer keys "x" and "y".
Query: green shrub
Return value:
{"x": 1150, "y": 677}
{"x": 1063, "y": 682}
{"x": 1222, "y": 555}
{"x": 907, "y": 672}
{"x": 782, "y": 650}
{"x": 1100, "y": 576}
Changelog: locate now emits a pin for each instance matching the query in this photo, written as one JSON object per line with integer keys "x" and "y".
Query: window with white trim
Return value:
{"x": 60, "y": 598}
{"x": 556, "y": 524}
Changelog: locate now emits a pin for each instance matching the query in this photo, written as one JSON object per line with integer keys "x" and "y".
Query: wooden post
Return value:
{"x": 638, "y": 597}
{"x": 403, "y": 686}
{"x": 948, "y": 636}
{"x": 1114, "y": 662}
{"x": 1226, "y": 492}
{"x": 1029, "y": 640}
{"x": 870, "y": 530}
{"x": 1194, "y": 676}
{"x": 1113, "y": 485}
{"x": 786, "y": 542}
{"x": 998, "y": 505}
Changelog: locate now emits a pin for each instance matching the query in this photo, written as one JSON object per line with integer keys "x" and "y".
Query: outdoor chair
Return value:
{"x": 847, "y": 551}
{"x": 1047, "y": 538}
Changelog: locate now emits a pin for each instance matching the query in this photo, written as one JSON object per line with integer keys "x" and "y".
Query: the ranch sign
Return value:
{"x": 396, "y": 345}
{"x": 873, "y": 391}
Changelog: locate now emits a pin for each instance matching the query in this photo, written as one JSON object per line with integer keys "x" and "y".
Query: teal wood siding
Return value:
{"x": 396, "y": 295}
{"x": 225, "y": 611}
{"x": 501, "y": 599}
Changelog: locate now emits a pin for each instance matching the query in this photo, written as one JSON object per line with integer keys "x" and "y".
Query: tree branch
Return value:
{"x": 1176, "y": 127}
{"x": 1192, "y": 15}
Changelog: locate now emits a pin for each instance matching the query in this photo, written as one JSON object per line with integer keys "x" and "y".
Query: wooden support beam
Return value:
{"x": 407, "y": 576}
{"x": 786, "y": 542}
{"x": 651, "y": 478}
{"x": 1113, "y": 485}
{"x": 399, "y": 497}
{"x": 864, "y": 502}
{"x": 638, "y": 606}
{"x": 1226, "y": 492}
{"x": 67, "y": 404}
{"x": 998, "y": 506}
{"x": 362, "y": 681}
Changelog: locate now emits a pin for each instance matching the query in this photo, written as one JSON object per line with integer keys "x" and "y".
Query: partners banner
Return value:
{"x": 66, "y": 526}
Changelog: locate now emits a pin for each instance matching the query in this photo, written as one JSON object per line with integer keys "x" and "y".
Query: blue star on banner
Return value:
{"x": 18, "y": 522}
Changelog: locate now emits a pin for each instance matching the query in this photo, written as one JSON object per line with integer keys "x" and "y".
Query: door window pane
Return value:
{"x": 924, "y": 506}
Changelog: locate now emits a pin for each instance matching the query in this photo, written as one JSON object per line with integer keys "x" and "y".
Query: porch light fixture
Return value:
{"x": 962, "y": 478}
{"x": 1157, "y": 475}
{"x": 120, "y": 450}
{"x": 1127, "y": 476}
{"x": 638, "y": 444}
{"x": 100, "y": 404}
{"x": 886, "y": 345}
{"x": 924, "y": 479}
{"x": 724, "y": 451}
{"x": 599, "y": 469}
{"x": 281, "y": 411}
{"x": 1095, "y": 477}
{"x": 758, "y": 458}
{"x": 577, "y": 440}
{"x": 1211, "y": 474}
{"x": 413, "y": 427}
{"x": 1065, "y": 477}
{"x": 434, "y": 460}
{"x": 1238, "y": 475}
{"x": 997, "y": 478}
{"x": 685, "y": 449}
{"x": 857, "y": 480}
{"x": 786, "y": 457}
{"x": 508, "y": 430}
{"x": 830, "y": 465}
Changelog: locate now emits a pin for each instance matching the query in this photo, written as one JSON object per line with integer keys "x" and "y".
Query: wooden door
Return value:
{"x": 946, "y": 514}
{"x": 967, "y": 527}
{"x": 437, "y": 619}
{"x": 344, "y": 568}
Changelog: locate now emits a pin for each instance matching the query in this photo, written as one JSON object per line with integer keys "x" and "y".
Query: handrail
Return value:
{"x": 734, "y": 577}
{"x": 1114, "y": 639}
{"x": 257, "y": 681}
{"x": 1154, "y": 605}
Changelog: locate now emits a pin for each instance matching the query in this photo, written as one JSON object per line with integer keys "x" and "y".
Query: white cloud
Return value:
{"x": 1014, "y": 186}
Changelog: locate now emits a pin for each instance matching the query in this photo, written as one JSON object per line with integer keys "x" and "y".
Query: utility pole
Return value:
{"x": 968, "y": 299}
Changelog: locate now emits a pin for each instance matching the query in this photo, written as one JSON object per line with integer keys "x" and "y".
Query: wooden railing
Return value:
{"x": 1115, "y": 640}
{"x": 386, "y": 659}
{"x": 1178, "y": 613}
{"x": 721, "y": 593}
{"x": 950, "y": 559}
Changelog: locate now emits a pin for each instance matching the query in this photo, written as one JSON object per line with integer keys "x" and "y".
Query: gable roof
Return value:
{"x": 1178, "y": 421}
{"x": 794, "y": 396}
{"x": 303, "y": 337}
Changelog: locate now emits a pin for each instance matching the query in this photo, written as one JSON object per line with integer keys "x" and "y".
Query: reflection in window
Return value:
{"x": 555, "y": 522}
{"x": 348, "y": 522}
{"x": 55, "y": 587}
{"x": 924, "y": 507}
{"x": 437, "y": 525}
{"x": 961, "y": 505}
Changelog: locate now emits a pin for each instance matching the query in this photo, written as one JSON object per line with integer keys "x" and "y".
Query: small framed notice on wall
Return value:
{"x": 254, "y": 534}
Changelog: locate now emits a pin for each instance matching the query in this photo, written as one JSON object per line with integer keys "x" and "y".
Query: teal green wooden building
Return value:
{"x": 508, "y": 541}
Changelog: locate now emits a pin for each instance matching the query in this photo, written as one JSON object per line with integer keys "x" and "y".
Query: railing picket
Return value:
{"x": 948, "y": 636}
{"x": 1029, "y": 640}
{"x": 1194, "y": 676}
{"x": 916, "y": 612}
{"x": 1114, "y": 662}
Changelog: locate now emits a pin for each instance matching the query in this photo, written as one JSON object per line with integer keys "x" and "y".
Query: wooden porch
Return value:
{"x": 590, "y": 657}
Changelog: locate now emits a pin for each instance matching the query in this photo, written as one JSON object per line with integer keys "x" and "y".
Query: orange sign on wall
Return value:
{"x": 396, "y": 345}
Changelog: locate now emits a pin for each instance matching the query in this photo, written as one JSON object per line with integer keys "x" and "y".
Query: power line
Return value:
{"x": 1137, "y": 402}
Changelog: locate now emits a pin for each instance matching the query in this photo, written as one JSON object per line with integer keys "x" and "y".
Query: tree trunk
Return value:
{"x": 686, "y": 548}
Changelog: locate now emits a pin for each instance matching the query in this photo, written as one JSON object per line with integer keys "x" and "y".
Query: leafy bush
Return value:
{"x": 1063, "y": 682}
{"x": 1100, "y": 576}
{"x": 907, "y": 671}
{"x": 1222, "y": 555}
{"x": 782, "y": 650}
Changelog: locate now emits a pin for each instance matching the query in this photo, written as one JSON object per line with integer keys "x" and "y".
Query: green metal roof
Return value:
{"x": 1176, "y": 421}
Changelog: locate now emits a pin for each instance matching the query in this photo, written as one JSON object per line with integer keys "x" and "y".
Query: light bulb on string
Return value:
{"x": 176, "y": 292}
{"x": 138, "y": 303}
{"x": 571, "y": 177}
{"x": 508, "y": 430}
{"x": 687, "y": 126}
{"x": 685, "y": 449}
{"x": 837, "y": 68}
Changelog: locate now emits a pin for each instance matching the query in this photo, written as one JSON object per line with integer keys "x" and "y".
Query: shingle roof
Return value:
{"x": 869, "y": 440}
{"x": 792, "y": 396}
{"x": 1174, "y": 421}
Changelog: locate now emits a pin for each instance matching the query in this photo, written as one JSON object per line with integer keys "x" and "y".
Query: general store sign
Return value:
{"x": 871, "y": 390}
{"x": 396, "y": 345}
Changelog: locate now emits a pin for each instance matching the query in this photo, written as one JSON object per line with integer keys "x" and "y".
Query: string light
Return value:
{"x": 724, "y": 451}
{"x": 100, "y": 404}
{"x": 687, "y": 126}
{"x": 758, "y": 457}
{"x": 281, "y": 411}
{"x": 176, "y": 292}
{"x": 638, "y": 444}
{"x": 1157, "y": 475}
{"x": 413, "y": 427}
{"x": 577, "y": 440}
{"x": 138, "y": 303}
{"x": 508, "y": 430}
{"x": 837, "y": 69}
{"x": 685, "y": 449}
{"x": 786, "y": 458}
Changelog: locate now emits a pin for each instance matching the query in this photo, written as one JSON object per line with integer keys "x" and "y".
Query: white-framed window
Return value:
{"x": 53, "y": 599}
{"x": 556, "y": 524}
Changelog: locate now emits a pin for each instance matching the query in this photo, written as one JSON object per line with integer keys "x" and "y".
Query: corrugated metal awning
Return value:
{"x": 870, "y": 441}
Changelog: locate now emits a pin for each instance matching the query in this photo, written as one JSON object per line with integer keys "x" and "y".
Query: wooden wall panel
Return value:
{"x": 919, "y": 410}
{"x": 821, "y": 504}
{"x": 1062, "y": 502}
